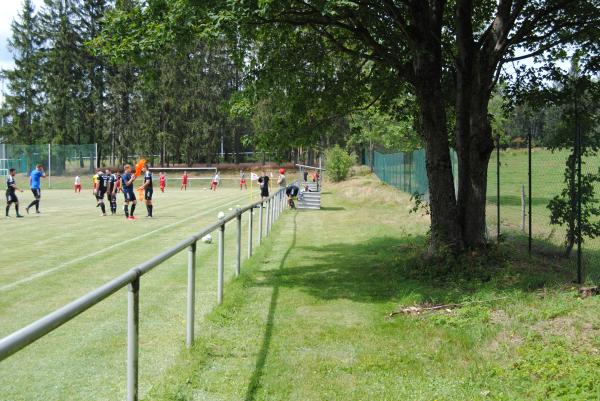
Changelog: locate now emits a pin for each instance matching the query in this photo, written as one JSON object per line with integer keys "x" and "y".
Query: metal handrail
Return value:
{"x": 27, "y": 335}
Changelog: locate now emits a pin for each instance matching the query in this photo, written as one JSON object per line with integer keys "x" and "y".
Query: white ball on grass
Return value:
{"x": 221, "y": 215}
{"x": 207, "y": 239}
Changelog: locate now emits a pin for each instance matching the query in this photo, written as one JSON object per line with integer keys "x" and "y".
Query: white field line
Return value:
{"x": 101, "y": 251}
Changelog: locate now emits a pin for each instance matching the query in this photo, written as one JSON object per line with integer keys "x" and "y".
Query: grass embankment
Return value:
{"x": 309, "y": 318}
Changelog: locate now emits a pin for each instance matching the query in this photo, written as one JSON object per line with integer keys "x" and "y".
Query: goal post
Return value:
{"x": 198, "y": 177}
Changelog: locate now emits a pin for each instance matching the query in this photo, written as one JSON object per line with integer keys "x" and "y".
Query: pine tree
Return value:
{"x": 63, "y": 119}
{"x": 22, "y": 103}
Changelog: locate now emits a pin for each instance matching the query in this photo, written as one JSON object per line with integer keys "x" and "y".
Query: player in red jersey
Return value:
{"x": 184, "y": 179}
{"x": 162, "y": 181}
{"x": 243, "y": 179}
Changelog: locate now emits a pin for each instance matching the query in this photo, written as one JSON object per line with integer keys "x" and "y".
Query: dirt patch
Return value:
{"x": 499, "y": 316}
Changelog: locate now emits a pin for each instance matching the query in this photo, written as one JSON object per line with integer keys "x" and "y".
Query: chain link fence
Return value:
{"x": 61, "y": 162}
{"x": 521, "y": 203}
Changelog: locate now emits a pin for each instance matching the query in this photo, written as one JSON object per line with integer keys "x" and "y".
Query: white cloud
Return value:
{"x": 9, "y": 9}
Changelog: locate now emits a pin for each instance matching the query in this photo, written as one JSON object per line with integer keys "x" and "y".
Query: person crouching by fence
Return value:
{"x": 292, "y": 194}
{"x": 264, "y": 185}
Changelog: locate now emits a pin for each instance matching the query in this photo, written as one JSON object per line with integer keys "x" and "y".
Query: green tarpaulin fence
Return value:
{"x": 406, "y": 170}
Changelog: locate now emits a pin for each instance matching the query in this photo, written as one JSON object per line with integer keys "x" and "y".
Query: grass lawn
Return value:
{"x": 52, "y": 258}
{"x": 310, "y": 317}
{"x": 547, "y": 182}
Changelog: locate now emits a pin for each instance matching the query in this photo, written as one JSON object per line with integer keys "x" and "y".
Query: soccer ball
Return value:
{"x": 207, "y": 239}
{"x": 221, "y": 215}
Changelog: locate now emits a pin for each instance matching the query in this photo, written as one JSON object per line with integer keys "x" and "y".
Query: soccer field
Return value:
{"x": 53, "y": 258}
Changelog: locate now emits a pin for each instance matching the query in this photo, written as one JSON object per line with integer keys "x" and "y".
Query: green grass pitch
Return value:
{"x": 68, "y": 250}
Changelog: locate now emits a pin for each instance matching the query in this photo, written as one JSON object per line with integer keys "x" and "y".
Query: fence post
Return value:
{"x": 578, "y": 151}
{"x": 191, "y": 295}
{"x": 498, "y": 185}
{"x": 523, "y": 208}
{"x": 238, "y": 262}
{"x": 268, "y": 222}
{"x": 530, "y": 195}
{"x": 220, "y": 262}
{"x": 133, "y": 330}
{"x": 260, "y": 224}
{"x": 49, "y": 166}
{"x": 250, "y": 213}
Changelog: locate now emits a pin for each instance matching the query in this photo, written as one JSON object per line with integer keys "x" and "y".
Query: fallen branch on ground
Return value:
{"x": 419, "y": 309}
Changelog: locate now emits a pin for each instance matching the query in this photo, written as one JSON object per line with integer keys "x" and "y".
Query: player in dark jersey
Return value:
{"x": 148, "y": 189}
{"x": 292, "y": 194}
{"x": 101, "y": 188}
{"x": 11, "y": 192}
{"x": 127, "y": 179}
{"x": 111, "y": 191}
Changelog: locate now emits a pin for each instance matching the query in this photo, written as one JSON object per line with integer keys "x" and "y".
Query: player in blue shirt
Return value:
{"x": 34, "y": 184}
{"x": 127, "y": 178}
{"x": 11, "y": 189}
{"x": 148, "y": 189}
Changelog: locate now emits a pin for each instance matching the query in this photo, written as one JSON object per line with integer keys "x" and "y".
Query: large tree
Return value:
{"x": 443, "y": 50}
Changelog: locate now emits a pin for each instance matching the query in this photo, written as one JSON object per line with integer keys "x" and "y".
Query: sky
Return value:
{"x": 9, "y": 10}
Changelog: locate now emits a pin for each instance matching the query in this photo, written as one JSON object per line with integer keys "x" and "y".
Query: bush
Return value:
{"x": 338, "y": 163}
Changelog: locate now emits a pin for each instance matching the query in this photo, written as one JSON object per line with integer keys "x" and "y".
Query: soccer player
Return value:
{"x": 77, "y": 184}
{"x": 215, "y": 181}
{"x": 163, "y": 181}
{"x": 184, "y": 179}
{"x": 148, "y": 189}
{"x": 127, "y": 179}
{"x": 111, "y": 191}
{"x": 95, "y": 182}
{"x": 243, "y": 180}
{"x": 281, "y": 178}
{"x": 34, "y": 184}
{"x": 11, "y": 189}
{"x": 102, "y": 184}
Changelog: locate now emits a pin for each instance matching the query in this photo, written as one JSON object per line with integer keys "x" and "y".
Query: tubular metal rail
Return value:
{"x": 274, "y": 205}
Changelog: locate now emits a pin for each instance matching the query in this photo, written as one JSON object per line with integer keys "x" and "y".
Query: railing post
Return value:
{"x": 260, "y": 224}
{"x": 278, "y": 204}
{"x": 250, "y": 214}
{"x": 133, "y": 331}
{"x": 238, "y": 262}
{"x": 268, "y": 216}
{"x": 220, "y": 264}
{"x": 191, "y": 295}
{"x": 272, "y": 208}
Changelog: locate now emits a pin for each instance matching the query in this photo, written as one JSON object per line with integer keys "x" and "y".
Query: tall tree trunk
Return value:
{"x": 445, "y": 231}
{"x": 474, "y": 145}
{"x": 475, "y": 68}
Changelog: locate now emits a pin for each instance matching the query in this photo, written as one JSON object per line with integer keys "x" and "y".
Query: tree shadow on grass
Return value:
{"x": 254, "y": 383}
{"x": 390, "y": 268}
